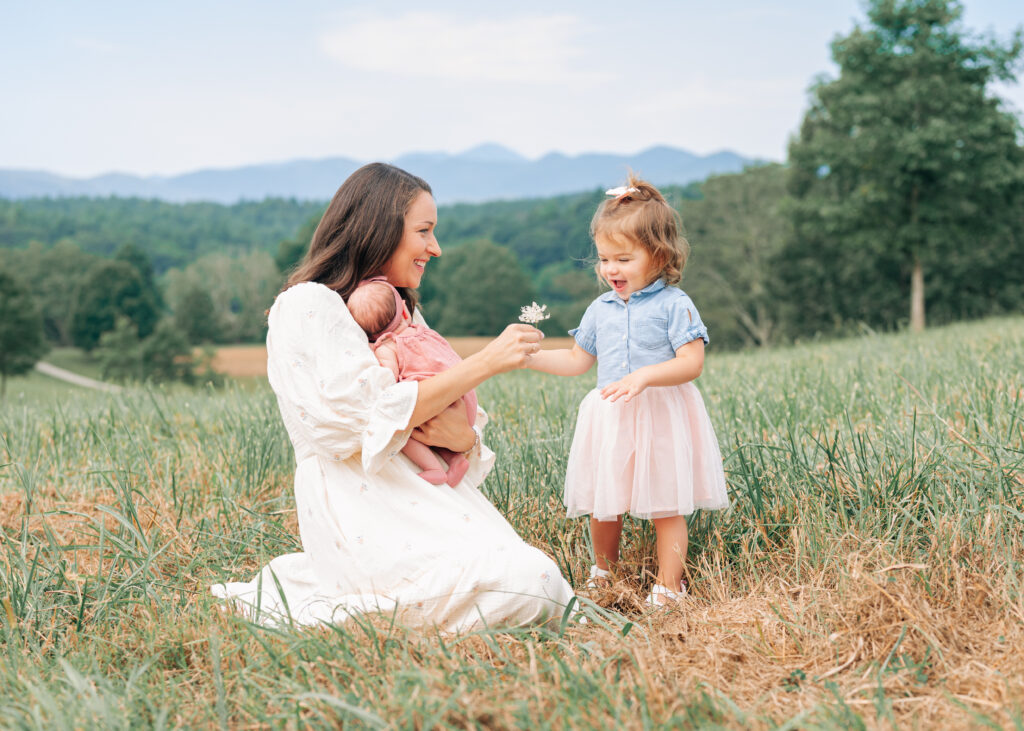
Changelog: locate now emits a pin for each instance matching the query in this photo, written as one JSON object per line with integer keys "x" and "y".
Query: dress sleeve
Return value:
{"x": 481, "y": 460}
{"x": 586, "y": 333}
{"x": 684, "y": 323}
{"x": 335, "y": 397}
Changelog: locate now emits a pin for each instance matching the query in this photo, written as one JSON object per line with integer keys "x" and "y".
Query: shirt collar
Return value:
{"x": 656, "y": 285}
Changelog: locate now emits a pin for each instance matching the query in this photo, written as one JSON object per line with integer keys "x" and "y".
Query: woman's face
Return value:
{"x": 418, "y": 245}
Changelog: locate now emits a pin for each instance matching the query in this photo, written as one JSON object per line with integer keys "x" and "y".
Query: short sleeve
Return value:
{"x": 684, "y": 323}
{"x": 586, "y": 333}
{"x": 335, "y": 397}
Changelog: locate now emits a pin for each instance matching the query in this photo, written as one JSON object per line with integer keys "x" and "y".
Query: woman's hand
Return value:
{"x": 512, "y": 349}
{"x": 449, "y": 429}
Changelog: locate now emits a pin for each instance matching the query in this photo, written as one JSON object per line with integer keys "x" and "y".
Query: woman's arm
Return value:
{"x": 509, "y": 351}
{"x": 562, "y": 362}
{"x": 685, "y": 367}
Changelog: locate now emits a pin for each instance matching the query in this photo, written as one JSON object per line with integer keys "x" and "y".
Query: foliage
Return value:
{"x": 170, "y": 234}
{"x": 111, "y": 288}
{"x": 241, "y": 288}
{"x": 736, "y": 232}
{"x": 195, "y": 313}
{"x": 162, "y": 357}
{"x": 21, "y": 329}
{"x": 119, "y": 353}
{"x": 291, "y": 250}
{"x": 867, "y": 575}
{"x": 54, "y": 275}
{"x": 142, "y": 264}
{"x": 478, "y": 289}
{"x": 904, "y": 164}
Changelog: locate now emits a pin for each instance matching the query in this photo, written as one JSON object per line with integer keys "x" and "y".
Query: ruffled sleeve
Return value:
{"x": 335, "y": 398}
{"x": 586, "y": 333}
{"x": 684, "y": 323}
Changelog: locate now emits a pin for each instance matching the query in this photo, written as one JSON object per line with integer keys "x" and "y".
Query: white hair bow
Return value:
{"x": 621, "y": 191}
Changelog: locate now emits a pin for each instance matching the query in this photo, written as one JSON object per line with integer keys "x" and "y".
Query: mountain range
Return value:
{"x": 486, "y": 172}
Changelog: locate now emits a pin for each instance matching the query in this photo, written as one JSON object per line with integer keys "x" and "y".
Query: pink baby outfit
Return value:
{"x": 423, "y": 353}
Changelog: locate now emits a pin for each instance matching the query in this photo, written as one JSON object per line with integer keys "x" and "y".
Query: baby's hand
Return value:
{"x": 627, "y": 387}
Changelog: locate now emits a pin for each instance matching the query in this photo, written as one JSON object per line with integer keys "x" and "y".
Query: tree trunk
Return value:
{"x": 917, "y": 297}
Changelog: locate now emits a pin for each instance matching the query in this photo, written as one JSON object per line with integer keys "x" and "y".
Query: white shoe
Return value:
{"x": 599, "y": 578}
{"x": 662, "y": 595}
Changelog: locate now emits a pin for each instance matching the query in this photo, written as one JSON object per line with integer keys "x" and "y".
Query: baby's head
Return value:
{"x": 375, "y": 307}
{"x": 637, "y": 215}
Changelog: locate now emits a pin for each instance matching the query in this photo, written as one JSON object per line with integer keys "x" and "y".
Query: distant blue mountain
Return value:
{"x": 486, "y": 172}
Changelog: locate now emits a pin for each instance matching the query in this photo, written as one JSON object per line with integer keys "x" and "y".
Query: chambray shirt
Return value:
{"x": 645, "y": 330}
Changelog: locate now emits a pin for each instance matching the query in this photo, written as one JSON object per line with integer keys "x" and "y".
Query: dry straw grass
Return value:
{"x": 869, "y": 574}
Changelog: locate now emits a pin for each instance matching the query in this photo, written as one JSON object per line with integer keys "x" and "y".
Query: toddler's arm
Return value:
{"x": 387, "y": 354}
{"x": 563, "y": 362}
{"x": 685, "y": 367}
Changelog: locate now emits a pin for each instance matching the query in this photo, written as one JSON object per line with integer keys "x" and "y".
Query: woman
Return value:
{"x": 376, "y": 536}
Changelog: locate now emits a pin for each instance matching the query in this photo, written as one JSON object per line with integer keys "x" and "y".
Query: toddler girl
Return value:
{"x": 413, "y": 352}
{"x": 644, "y": 443}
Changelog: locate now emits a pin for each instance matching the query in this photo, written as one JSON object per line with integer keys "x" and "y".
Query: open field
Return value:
{"x": 868, "y": 575}
{"x": 241, "y": 361}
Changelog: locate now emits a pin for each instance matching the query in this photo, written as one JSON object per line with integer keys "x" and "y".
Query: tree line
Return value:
{"x": 903, "y": 195}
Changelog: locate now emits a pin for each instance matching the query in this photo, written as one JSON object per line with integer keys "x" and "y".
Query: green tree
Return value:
{"x": 111, "y": 289}
{"x": 241, "y": 287}
{"x": 481, "y": 287}
{"x": 166, "y": 355}
{"x": 195, "y": 314}
{"x": 144, "y": 266}
{"x": 53, "y": 272}
{"x": 21, "y": 329}
{"x": 291, "y": 250}
{"x": 901, "y": 162}
{"x": 119, "y": 352}
{"x": 736, "y": 233}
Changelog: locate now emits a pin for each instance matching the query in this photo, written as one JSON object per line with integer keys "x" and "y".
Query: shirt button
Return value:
{"x": 623, "y": 364}
{"x": 623, "y": 337}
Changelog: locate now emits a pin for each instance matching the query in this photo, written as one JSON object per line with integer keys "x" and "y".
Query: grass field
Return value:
{"x": 868, "y": 575}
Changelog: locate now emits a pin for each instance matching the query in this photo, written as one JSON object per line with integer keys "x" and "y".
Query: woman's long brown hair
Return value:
{"x": 360, "y": 230}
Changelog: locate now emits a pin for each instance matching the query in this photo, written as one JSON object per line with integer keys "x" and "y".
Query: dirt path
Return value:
{"x": 55, "y": 372}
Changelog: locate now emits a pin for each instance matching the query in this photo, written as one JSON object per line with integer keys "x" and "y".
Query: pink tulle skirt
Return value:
{"x": 654, "y": 457}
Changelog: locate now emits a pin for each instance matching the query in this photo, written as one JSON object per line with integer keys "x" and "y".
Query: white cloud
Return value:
{"x": 529, "y": 48}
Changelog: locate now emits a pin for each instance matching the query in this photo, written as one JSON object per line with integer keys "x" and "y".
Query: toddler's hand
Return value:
{"x": 627, "y": 387}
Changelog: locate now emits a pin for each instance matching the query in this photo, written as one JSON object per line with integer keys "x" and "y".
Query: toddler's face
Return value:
{"x": 626, "y": 267}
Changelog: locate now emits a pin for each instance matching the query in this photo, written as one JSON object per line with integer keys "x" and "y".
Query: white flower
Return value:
{"x": 534, "y": 313}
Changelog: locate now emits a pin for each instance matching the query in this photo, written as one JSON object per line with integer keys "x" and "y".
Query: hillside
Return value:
{"x": 486, "y": 172}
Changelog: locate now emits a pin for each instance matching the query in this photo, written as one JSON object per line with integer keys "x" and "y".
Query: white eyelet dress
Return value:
{"x": 375, "y": 536}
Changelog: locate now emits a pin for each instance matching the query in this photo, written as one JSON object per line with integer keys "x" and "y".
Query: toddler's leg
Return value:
{"x": 604, "y": 535}
{"x": 672, "y": 545}
{"x": 424, "y": 458}
{"x": 457, "y": 465}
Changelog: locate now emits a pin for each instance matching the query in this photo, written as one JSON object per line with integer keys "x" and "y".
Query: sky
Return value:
{"x": 163, "y": 88}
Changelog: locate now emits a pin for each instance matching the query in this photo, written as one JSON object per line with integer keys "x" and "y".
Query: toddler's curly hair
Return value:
{"x": 642, "y": 216}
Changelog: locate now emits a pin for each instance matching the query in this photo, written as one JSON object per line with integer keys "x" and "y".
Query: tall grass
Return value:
{"x": 869, "y": 573}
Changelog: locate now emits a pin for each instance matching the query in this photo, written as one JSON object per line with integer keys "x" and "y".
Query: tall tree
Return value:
{"x": 140, "y": 260}
{"x": 111, "y": 289}
{"x": 902, "y": 161}
{"x": 736, "y": 233}
{"x": 21, "y": 329}
{"x": 481, "y": 288}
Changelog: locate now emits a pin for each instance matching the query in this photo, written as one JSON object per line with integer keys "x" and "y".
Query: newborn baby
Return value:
{"x": 413, "y": 352}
